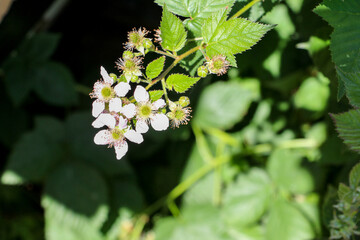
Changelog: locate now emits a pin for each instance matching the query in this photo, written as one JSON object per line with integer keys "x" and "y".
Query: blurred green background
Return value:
{"x": 260, "y": 151}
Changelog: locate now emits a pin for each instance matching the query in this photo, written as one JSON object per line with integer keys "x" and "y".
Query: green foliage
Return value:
{"x": 155, "y": 95}
{"x": 154, "y": 68}
{"x": 348, "y": 126}
{"x": 229, "y": 37}
{"x": 173, "y": 32}
{"x": 180, "y": 82}
{"x": 225, "y": 102}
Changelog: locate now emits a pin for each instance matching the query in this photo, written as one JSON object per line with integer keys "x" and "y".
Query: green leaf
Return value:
{"x": 154, "y": 68}
{"x": 249, "y": 196}
{"x": 180, "y": 82}
{"x": 75, "y": 195}
{"x": 231, "y": 37}
{"x": 173, "y": 32}
{"x": 345, "y": 193}
{"x": 348, "y": 126}
{"x": 312, "y": 95}
{"x": 222, "y": 105}
{"x": 50, "y": 127}
{"x": 287, "y": 222}
{"x": 39, "y": 47}
{"x": 247, "y": 233}
{"x": 351, "y": 81}
{"x": 156, "y": 94}
{"x": 354, "y": 178}
{"x": 286, "y": 170}
{"x": 55, "y": 84}
{"x": 32, "y": 159}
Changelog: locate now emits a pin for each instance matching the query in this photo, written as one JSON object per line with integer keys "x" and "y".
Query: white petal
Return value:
{"x": 158, "y": 104}
{"x": 102, "y": 137}
{"x": 104, "y": 119}
{"x": 97, "y": 107}
{"x": 134, "y": 136}
{"x": 129, "y": 110}
{"x": 106, "y": 76}
{"x": 115, "y": 105}
{"x": 160, "y": 122}
{"x": 122, "y": 123}
{"x": 122, "y": 88}
{"x": 140, "y": 94}
{"x": 121, "y": 150}
{"x": 141, "y": 126}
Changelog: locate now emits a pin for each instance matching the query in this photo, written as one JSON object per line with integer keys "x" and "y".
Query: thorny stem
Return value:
{"x": 245, "y": 8}
{"x": 164, "y": 53}
{"x": 165, "y": 92}
{"x": 174, "y": 63}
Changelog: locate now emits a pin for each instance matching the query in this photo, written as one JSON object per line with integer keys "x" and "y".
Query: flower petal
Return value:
{"x": 134, "y": 136}
{"x": 121, "y": 150}
{"x": 97, "y": 107}
{"x": 115, "y": 105}
{"x": 102, "y": 137}
{"x": 129, "y": 110}
{"x": 158, "y": 104}
{"x": 122, "y": 123}
{"x": 141, "y": 126}
{"x": 122, "y": 88}
{"x": 140, "y": 94}
{"x": 106, "y": 76}
{"x": 105, "y": 119}
{"x": 159, "y": 122}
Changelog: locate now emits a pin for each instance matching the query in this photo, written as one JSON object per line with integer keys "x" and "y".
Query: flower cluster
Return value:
{"x": 125, "y": 118}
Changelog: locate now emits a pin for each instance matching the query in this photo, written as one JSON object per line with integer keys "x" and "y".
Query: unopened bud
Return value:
{"x": 147, "y": 43}
{"x": 202, "y": 71}
{"x": 184, "y": 101}
{"x": 134, "y": 78}
{"x": 113, "y": 76}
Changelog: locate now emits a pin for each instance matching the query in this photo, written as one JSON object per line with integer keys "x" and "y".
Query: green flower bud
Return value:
{"x": 184, "y": 101}
{"x": 128, "y": 55}
{"x": 202, "y": 71}
{"x": 113, "y": 76}
{"x": 147, "y": 43}
{"x": 134, "y": 78}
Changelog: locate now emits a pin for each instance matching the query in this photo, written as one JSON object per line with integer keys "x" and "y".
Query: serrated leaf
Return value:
{"x": 180, "y": 82}
{"x": 348, "y": 127}
{"x": 55, "y": 84}
{"x": 351, "y": 81}
{"x": 354, "y": 178}
{"x": 154, "y": 68}
{"x": 229, "y": 37}
{"x": 173, "y": 32}
{"x": 222, "y": 105}
{"x": 156, "y": 94}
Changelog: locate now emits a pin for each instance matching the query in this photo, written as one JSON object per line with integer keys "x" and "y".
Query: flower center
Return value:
{"x": 145, "y": 111}
{"x": 130, "y": 65}
{"x": 134, "y": 38}
{"x": 106, "y": 92}
{"x": 117, "y": 134}
{"x": 218, "y": 64}
{"x": 179, "y": 114}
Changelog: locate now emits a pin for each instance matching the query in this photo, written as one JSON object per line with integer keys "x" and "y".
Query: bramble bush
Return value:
{"x": 232, "y": 119}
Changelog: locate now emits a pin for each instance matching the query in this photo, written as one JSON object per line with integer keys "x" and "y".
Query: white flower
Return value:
{"x": 116, "y": 135}
{"x": 104, "y": 92}
{"x": 148, "y": 112}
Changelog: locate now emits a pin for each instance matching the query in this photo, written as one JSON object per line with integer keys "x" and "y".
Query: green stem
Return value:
{"x": 138, "y": 228}
{"x": 164, "y": 89}
{"x": 218, "y": 176}
{"x": 245, "y": 8}
{"x": 174, "y": 63}
{"x": 195, "y": 39}
{"x": 164, "y": 53}
{"x": 173, "y": 208}
{"x": 202, "y": 144}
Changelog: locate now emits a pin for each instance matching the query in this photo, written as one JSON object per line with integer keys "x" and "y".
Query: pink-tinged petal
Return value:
{"x": 121, "y": 150}
{"x": 104, "y": 119}
{"x": 115, "y": 105}
{"x": 140, "y": 94}
{"x": 159, "y": 122}
{"x": 134, "y": 136}
{"x": 141, "y": 126}
{"x": 102, "y": 137}
{"x": 158, "y": 104}
{"x": 97, "y": 107}
{"x": 129, "y": 110}
{"x": 106, "y": 76}
{"x": 122, "y": 123}
{"x": 122, "y": 88}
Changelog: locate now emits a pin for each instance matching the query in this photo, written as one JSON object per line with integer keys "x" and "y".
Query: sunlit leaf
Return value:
{"x": 180, "y": 82}
{"x": 154, "y": 68}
